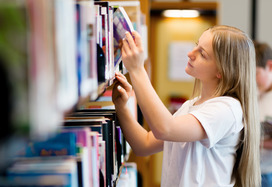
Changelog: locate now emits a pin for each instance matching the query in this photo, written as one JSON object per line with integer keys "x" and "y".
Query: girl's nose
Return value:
{"x": 191, "y": 55}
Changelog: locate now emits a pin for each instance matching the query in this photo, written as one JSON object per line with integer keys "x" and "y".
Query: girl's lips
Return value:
{"x": 189, "y": 64}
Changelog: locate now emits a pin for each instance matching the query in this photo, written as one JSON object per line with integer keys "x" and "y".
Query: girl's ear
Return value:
{"x": 269, "y": 64}
{"x": 218, "y": 75}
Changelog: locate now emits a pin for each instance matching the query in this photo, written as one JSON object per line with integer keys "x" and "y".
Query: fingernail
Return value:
{"x": 119, "y": 87}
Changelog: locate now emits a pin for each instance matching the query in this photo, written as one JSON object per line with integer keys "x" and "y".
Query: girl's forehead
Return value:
{"x": 206, "y": 36}
{"x": 205, "y": 41}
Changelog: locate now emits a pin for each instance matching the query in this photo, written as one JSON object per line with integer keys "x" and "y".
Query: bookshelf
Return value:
{"x": 65, "y": 53}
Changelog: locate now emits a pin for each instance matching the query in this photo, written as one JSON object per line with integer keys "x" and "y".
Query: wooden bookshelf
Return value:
{"x": 183, "y": 5}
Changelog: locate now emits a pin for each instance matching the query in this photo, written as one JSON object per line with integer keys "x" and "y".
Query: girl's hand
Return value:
{"x": 132, "y": 51}
{"x": 121, "y": 90}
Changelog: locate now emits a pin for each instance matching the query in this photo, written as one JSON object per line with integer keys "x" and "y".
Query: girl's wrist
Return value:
{"x": 137, "y": 73}
{"x": 121, "y": 108}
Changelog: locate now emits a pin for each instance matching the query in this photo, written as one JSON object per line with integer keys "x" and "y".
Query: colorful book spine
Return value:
{"x": 84, "y": 154}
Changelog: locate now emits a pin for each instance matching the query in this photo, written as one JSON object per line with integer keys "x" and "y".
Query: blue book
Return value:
{"x": 62, "y": 144}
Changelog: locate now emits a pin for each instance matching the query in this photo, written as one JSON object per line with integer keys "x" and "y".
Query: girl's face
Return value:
{"x": 202, "y": 64}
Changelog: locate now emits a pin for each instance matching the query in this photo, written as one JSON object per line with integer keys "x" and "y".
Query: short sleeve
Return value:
{"x": 220, "y": 117}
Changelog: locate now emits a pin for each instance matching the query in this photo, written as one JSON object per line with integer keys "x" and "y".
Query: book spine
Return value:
{"x": 107, "y": 137}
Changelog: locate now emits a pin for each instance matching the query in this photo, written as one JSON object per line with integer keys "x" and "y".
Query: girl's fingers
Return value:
{"x": 125, "y": 47}
{"x": 130, "y": 41}
{"x": 121, "y": 78}
{"x": 122, "y": 92}
{"x": 120, "y": 75}
{"x": 124, "y": 83}
{"x": 137, "y": 37}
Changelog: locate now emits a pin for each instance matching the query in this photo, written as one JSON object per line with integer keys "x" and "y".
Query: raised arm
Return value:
{"x": 143, "y": 143}
{"x": 163, "y": 124}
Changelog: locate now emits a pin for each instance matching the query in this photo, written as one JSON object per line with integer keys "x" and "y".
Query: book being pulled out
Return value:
{"x": 121, "y": 24}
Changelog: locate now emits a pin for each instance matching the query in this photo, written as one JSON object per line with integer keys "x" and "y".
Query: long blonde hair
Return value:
{"x": 235, "y": 57}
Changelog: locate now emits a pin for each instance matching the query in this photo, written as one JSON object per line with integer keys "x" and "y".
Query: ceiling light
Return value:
{"x": 180, "y": 13}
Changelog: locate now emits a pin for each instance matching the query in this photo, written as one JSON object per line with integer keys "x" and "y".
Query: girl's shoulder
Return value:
{"x": 224, "y": 99}
{"x": 220, "y": 99}
{"x": 217, "y": 102}
{"x": 231, "y": 101}
{"x": 226, "y": 103}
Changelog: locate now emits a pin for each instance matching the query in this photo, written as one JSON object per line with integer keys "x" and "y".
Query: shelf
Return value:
{"x": 184, "y": 5}
{"x": 93, "y": 96}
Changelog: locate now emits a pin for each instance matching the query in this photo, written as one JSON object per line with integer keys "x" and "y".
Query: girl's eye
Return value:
{"x": 201, "y": 53}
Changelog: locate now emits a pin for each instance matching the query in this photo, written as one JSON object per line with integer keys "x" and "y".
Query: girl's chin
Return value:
{"x": 187, "y": 70}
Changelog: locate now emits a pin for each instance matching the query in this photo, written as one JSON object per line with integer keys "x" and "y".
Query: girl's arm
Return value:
{"x": 143, "y": 143}
{"x": 163, "y": 124}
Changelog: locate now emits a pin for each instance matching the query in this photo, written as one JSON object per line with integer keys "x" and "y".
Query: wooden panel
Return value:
{"x": 183, "y": 5}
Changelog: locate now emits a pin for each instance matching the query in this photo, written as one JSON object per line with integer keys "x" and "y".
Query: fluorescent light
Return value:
{"x": 180, "y": 13}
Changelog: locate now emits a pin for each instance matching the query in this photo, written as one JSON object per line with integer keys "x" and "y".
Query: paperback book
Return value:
{"x": 121, "y": 25}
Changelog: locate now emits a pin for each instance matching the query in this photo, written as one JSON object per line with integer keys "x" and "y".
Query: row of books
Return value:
{"x": 57, "y": 52}
{"x": 89, "y": 150}
{"x": 74, "y": 54}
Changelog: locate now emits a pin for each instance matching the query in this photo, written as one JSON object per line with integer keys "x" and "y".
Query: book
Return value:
{"x": 102, "y": 160}
{"x": 62, "y": 144}
{"x": 65, "y": 54}
{"x": 121, "y": 25}
{"x": 94, "y": 137}
{"x": 84, "y": 155}
{"x": 86, "y": 49}
{"x": 104, "y": 42}
{"x": 43, "y": 172}
{"x": 107, "y": 136}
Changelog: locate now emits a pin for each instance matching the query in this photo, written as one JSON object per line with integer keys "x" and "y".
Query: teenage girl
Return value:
{"x": 213, "y": 139}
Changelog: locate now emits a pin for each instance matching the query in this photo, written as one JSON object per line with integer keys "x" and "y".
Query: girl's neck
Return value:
{"x": 206, "y": 94}
{"x": 203, "y": 99}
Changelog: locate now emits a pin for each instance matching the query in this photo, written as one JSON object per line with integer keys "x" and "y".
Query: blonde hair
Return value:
{"x": 235, "y": 57}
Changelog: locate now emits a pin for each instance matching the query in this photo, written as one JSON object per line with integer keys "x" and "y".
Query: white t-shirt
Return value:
{"x": 209, "y": 162}
{"x": 265, "y": 103}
